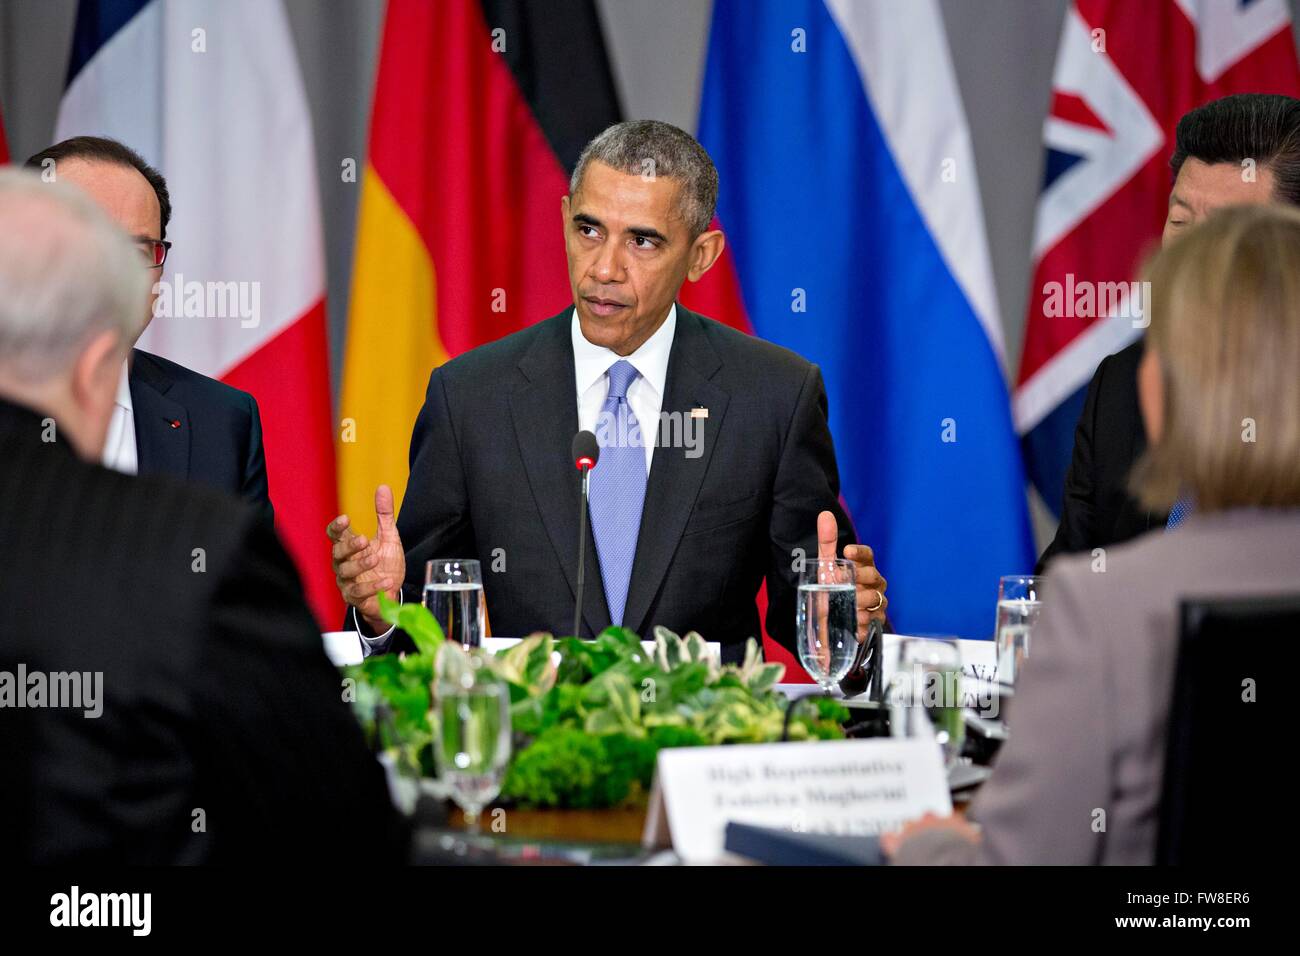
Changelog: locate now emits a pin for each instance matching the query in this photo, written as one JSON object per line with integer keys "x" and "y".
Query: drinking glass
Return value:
{"x": 925, "y": 694}
{"x": 453, "y": 593}
{"x": 826, "y": 619}
{"x": 471, "y": 742}
{"x": 1019, "y": 604}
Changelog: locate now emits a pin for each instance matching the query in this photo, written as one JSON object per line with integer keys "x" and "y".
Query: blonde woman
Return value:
{"x": 1219, "y": 389}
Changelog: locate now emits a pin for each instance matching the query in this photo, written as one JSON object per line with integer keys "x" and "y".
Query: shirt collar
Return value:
{"x": 591, "y": 362}
{"x": 124, "y": 388}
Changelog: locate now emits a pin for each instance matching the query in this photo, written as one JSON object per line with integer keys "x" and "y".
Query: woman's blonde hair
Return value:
{"x": 1225, "y": 327}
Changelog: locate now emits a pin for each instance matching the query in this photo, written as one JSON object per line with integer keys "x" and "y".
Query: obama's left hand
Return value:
{"x": 871, "y": 583}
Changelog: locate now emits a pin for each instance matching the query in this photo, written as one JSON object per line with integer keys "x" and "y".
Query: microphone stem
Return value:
{"x": 582, "y": 553}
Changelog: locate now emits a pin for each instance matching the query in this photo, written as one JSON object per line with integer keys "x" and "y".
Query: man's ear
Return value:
{"x": 564, "y": 213}
{"x": 705, "y": 251}
{"x": 95, "y": 374}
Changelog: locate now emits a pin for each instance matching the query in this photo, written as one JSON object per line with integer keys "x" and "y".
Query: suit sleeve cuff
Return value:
{"x": 377, "y": 644}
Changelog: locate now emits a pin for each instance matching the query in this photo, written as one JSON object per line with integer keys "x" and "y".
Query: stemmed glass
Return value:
{"x": 471, "y": 730}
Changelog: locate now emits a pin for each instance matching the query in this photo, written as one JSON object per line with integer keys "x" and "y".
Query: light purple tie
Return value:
{"x": 617, "y": 489}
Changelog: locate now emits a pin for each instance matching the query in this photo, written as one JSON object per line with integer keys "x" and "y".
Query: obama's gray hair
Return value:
{"x": 652, "y": 149}
{"x": 67, "y": 273}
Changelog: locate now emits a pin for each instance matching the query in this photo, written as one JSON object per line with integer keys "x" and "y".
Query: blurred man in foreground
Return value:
{"x": 1238, "y": 150}
{"x": 1089, "y": 721}
{"x": 164, "y": 697}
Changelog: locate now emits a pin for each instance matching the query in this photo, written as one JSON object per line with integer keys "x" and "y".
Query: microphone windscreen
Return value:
{"x": 585, "y": 446}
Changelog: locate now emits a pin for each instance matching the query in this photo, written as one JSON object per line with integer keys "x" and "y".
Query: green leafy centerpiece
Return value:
{"x": 589, "y": 717}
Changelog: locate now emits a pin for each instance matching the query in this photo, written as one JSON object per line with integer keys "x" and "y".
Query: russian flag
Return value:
{"x": 852, "y": 208}
{"x": 211, "y": 94}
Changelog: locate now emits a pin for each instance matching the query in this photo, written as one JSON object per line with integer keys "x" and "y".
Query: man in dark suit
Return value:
{"x": 168, "y": 419}
{"x": 734, "y": 484}
{"x": 1238, "y": 150}
{"x": 164, "y": 696}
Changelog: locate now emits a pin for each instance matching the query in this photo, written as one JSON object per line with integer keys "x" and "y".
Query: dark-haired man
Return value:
{"x": 1233, "y": 151}
{"x": 687, "y": 521}
{"x": 167, "y": 419}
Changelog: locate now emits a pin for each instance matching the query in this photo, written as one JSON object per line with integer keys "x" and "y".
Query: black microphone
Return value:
{"x": 586, "y": 452}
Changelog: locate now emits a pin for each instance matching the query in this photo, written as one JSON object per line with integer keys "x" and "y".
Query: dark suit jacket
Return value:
{"x": 491, "y": 478}
{"x": 216, "y": 693}
{"x": 1098, "y": 510}
{"x": 218, "y": 442}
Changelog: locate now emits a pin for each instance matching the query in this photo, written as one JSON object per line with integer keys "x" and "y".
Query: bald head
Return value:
{"x": 72, "y": 294}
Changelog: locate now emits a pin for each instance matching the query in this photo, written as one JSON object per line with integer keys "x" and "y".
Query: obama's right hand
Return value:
{"x": 363, "y": 567}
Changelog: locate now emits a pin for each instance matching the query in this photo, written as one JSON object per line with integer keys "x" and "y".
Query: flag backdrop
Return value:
{"x": 851, "y": 203}
{"x": 1125, "y": 73}
{"x": 211, "y": 95}
{"x": 480, "y": 111}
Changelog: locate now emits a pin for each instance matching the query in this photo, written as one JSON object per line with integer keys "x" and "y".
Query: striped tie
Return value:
{"x": 618, "y": 489}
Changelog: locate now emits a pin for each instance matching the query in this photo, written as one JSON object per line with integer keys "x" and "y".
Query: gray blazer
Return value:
{"x": 1088, "y": 721}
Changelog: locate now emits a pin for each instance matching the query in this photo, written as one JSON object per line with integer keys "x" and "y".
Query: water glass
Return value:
{"x": 925, "y": 694}
{"x": 453, "y": 593}
{"x": 826, "y": 619}
{"x": 471, "y": 743}
{"x": 1019, "y": 604}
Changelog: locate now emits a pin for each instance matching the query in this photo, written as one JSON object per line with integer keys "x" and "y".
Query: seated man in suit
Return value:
{"x": 1212, "y": 146}
{"x": 164, "y": 696}
{"x": 682, "y": 532}
{"x": 167, "y": 419}
{"x": 1079, "y": 781}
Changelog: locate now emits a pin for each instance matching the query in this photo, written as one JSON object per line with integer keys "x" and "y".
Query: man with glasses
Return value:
{"x": 168, "y": 419}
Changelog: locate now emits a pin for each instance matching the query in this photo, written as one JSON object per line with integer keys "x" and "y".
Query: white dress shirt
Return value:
{"x": 591, "y": 364}
{"x": 119, "y": 445}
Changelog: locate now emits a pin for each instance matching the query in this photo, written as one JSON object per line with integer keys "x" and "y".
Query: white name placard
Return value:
{"x": 859, "y": 787}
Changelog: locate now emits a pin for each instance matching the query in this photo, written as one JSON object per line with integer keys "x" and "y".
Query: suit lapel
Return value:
{"x": 162, "y": 426}
{"x": 545, "y": 416}
{"x": 675, "y": 479}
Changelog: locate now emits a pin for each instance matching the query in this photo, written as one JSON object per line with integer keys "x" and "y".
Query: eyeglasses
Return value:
{"x": 154, "y": 251}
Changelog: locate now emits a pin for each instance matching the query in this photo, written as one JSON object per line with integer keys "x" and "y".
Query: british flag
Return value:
{"x": 1125, "y": 73}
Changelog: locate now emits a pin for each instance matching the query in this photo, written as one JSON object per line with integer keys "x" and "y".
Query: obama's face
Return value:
{"x": 629, "y": 252}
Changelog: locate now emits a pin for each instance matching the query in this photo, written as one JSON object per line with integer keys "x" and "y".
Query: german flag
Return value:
{"x": 481, "y": 109}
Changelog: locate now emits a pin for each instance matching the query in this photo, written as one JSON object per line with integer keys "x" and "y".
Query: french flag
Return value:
{"x": 852, "y": 209}
{"x": 211, "y": 95}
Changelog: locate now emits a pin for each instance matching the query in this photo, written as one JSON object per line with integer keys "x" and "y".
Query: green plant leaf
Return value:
{"x": 416, "y": 621}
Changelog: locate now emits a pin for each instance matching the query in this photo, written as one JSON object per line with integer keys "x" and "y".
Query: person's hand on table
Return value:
{"x": 871, "y": 583}
{"x": 363, "y": 567}
{"x": 890, "y": 842}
